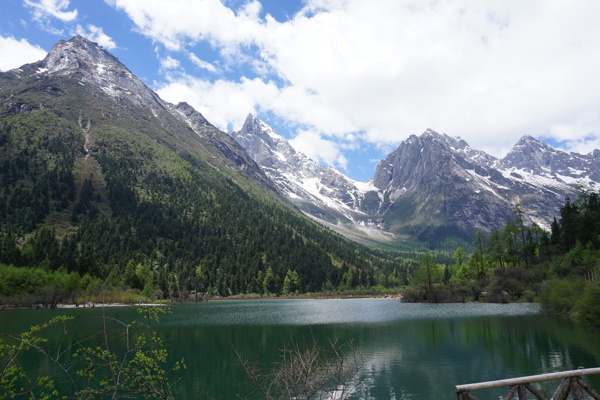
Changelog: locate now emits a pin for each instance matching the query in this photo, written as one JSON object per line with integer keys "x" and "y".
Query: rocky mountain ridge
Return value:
{"x": 320, "y": 192}
{"x": 99, "y": 176}
{"x": 88, "y": 63}
{"x": 432, "y": 188}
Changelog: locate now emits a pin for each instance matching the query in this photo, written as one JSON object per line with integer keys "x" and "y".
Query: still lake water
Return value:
{"x": 410, "y": 351}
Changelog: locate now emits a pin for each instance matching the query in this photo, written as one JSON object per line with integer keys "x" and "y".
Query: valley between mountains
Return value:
{"x": 107, "y": 187}
{"x": 432, "y": 189}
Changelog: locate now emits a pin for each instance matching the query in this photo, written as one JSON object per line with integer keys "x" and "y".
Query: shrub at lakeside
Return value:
{"x": 122, "y": 360}
{"x": 522, "y": 262}
{"x": 26, "y": 287}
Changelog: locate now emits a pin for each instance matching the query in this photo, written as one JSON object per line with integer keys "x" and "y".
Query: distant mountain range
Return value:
{"x": 433, "y": 188}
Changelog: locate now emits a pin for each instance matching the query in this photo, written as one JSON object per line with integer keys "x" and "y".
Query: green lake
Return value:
{"x": 409, "y": 351}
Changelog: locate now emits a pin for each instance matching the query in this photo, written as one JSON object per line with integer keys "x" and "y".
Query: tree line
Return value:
{"x": 522, "y": 262}
{"x": 140, "y": 216}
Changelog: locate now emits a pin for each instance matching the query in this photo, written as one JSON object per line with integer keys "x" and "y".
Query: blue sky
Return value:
{"x": 347, "y": 80}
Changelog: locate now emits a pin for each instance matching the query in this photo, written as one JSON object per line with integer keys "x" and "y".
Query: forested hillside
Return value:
{"x": 521, "y": 262}
{"x": 99, "y": 191}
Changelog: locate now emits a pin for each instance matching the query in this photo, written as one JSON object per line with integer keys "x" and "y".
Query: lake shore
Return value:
{"x": 167, "y": 303}
{"x": 313, "y": 297}
{"x": 83, "y": 305}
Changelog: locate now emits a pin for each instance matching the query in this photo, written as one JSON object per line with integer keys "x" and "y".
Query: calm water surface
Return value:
{"x": 410, "y": 351}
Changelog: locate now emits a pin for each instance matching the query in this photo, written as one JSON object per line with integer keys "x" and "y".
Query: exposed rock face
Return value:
{"x": 82, "y": 59}
{"x": 432, "y": 187}
{"x": 322, "y": 192}
{"x": 417, "y": 157}
{"x": 88, "y": 64}
{"x": 456, "y": 186}
{"x": 532, "y": 156}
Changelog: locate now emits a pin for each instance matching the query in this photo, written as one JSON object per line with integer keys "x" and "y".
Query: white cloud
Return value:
{"x": 169, "y": 63}
{"x": 320, "y": 150}
{"x": 43, "y": 9}
{"x": 96, "y": 34}
{"x": 20, "y": 51}
{"x": 220, "y": 101}
{"x": 182, "y": 20}
{"x": 201, "y": 63}
{"x": 583, "y": 145}
{"x": 488, "y": 71}
{"x": 226, "y": 103}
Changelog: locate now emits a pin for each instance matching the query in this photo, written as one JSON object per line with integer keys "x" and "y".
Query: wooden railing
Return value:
{"x": 571, "y": 384}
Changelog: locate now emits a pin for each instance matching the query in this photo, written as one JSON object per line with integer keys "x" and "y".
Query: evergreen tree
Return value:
{"x": 428, "y": 272}
{"x": 291, "y": 283}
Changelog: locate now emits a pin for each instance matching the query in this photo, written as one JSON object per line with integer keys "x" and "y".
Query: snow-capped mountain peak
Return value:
{"x": 88, "y": 62}
{"x": 320, "y": 192}
{"x": 432, "y": 185}
{"x": 533, "y": 156}
{"x": 81, "y": 56}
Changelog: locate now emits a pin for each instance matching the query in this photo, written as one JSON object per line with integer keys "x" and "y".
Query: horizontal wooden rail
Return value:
{"x": 522, "y": 381}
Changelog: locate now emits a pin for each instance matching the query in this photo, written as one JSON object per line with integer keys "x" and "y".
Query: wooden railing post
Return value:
{"x": 571, "y": 384}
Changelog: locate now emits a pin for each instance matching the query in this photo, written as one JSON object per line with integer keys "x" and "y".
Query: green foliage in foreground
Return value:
{"x": 24, "y": 287}
{"x": 574, "y": 298}
{"x": 129, "y": 361}
{"x": 122, "y": 360}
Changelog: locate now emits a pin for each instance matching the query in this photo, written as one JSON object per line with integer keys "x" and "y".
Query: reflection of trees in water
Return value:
{"x": 416, "y": 357}
{"x": 431, "y": 356}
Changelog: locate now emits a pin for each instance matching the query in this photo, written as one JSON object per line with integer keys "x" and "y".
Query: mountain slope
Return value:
{"x": 83, "y": 63}
{"x": 323, "y": 193}
{"x": 452, "y": 190}
{"x": 99, "y": 174}
{"x": 433, "y": 188}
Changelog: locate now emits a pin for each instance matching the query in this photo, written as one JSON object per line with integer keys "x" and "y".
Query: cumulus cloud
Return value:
{"x": 218, "y": 101}
{"x": 182, "y": 20}
{"x": 169, "y": 63}
{"x": 20, "y": 51}
{"x": 44, "y": 9}
{"x": 488, "y": 71}
{"x": 319, "y": 149}
{"x": 96, "y": 34}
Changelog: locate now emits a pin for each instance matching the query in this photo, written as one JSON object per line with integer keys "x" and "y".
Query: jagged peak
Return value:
{"x": 431, "y": 136}
{"x": 527, "y": 139}
{"x": 79, "y": 54}
{"x": 431, "y": 133}
{"x": 530, "y": 142}
{"x": 445, "y": 138}
{"x": 255, "y": 126}
{"x": 82, "y": 59}
{"x": 248, "y": 123}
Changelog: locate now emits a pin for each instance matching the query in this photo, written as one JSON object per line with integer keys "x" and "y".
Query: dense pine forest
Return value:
{"x": 93, "y": 201}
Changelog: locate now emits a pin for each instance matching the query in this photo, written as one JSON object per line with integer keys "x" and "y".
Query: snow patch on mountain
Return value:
{"x": 533, "y": 174}
{"x": 321, "y": 192}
